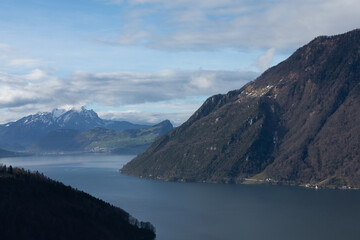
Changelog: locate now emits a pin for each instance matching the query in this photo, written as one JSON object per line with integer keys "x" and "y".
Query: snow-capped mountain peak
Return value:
{"x": 40, "y": 117}
{"x": 29, "y": 129}
{"x": 89, "y": 113}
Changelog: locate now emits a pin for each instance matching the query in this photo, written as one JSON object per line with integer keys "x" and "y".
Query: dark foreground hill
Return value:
{"x": 35, "y": 207}
{"x": 297, "y": 123}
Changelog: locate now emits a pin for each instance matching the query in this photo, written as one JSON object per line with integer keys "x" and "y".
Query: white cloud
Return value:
{"x": 41, "y": 91}
{"x": 264, "y": 61}
{"x": 13, "y": 58}
{"x": 25, "y": 62}
{"x": 203, "y": 81}
{"x": 149, "y": 117}
{"x": 4, "y": 47}
{"x": 125, "y": 87}
{"x": 177, "y": 111}
{"x": 35, "y": 75}
{"x": 203, "y": 25}
{"x": 131, "y": 37}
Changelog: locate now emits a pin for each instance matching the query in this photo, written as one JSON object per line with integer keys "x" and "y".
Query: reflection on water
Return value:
{"x": 182, "y": 211}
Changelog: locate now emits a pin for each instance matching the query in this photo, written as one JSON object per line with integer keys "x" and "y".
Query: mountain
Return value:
{"x": 23, "y": 133}
{"x": 5, "y": 154}
{"x": 35, "y": 207}
{"x": 131, "y": 141}
{"x": 298, "y": 123}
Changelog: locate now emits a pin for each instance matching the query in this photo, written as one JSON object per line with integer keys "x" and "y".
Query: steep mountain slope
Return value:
{"x": 35, "y": 207}
{"x": 297, "y": 123}
{"x": 131, "y": 141}
{"x": 21, "y": 134}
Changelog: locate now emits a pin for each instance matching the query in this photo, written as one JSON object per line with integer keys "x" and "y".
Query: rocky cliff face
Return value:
{"x": 297, "y": 123}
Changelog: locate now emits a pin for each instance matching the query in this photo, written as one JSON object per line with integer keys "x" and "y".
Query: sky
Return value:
{"x": 148, "y": 60}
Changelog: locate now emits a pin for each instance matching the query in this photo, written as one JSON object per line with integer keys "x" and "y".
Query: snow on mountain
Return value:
{"x": 89, "y": 113}
{"x": 29, "y": 129}
{"x": 56, "y": 113}
{"x": 41, "y": 117}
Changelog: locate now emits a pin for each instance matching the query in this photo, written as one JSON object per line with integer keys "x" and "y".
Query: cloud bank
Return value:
{"x": 275, "y": 28}
{"x": 211, "y": 24}
{"x": 41, "y": 91}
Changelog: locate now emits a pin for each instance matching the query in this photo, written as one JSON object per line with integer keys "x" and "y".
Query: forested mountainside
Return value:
{"x": 298, "y": 123}
{"x": 33, "y": 206}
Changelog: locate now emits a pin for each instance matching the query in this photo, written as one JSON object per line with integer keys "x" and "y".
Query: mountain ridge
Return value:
{"x": 100, "y": 140}
{"x": 276, "y": 127}
{"x": 23, "y": 133}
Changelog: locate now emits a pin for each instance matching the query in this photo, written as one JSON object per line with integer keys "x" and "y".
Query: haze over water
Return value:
{"x": 187, "y": 211}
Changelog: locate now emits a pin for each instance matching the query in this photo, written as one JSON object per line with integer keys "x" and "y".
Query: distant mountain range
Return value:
{"x": 52, "y": 131}
{"x": 5, "y": 154}
{"x": 298, "y": 123}
{"x": 130, "y": 141}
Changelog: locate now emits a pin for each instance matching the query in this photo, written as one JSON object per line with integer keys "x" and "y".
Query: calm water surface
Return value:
{"x": 195, "y": 211}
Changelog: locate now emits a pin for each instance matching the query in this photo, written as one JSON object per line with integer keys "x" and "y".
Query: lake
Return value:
{"x": 200, "y": 211}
